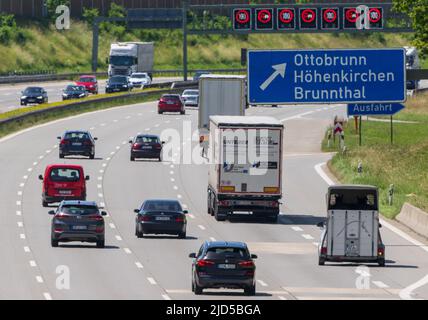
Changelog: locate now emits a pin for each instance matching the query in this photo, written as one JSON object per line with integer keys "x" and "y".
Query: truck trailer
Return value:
{"x": 127, "y": 58}
{"x": 245, "y": 170}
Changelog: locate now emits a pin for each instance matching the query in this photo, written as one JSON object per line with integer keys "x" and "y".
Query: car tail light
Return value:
{"x": 62, "y": 216}
{"x": 158, "y": 146}
{"x": 144, "y": 218}
{"x": 380, "y": 252}
{"x": 136, "y": 146}
{"x": 204, "y": 263}
{"x": 224, "y": 203}
{"x": 96, "y": 218}
{"x": 58, "y": 229}
{"x": 323, "y": 250}
{"x": 64, "y": 142}
{"x": 180, "y": 219}
{"x": 87, "y": 143}
{"x": 99, "y": 229}
{"x": 246, "y": 264}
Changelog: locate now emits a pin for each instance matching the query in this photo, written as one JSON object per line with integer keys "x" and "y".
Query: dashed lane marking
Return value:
{"x": 201, "y": 227}
{"x": 33, "y": 264}
{"x": 151, "y": 280}
{"x": 166, "y": 297}
{"x": 47, "y": 296}
{"x": 298, "y": 229}
{"x": 380, "y": 284}
{"x": 39, "y": 279}
{"x": 262, "y": 283}
{"x": 118, "y": 238}
{"x": 127, "y": 250}
{"x": 139, "y": 265}
{"x": 307, "y": 236}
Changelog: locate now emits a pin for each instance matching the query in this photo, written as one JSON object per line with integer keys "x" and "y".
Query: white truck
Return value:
{"x": 220, "y": 95}
{"x": 127, "y": 58}
{"x": 351, "y": 231}
{"x": 246, "y": 166}
{"x": 412, "y": 62}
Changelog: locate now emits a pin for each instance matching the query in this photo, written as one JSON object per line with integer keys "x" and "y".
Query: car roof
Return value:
{"x": 162, "y": 200}
{"x": 66, "y": 166}
{"x": 171, "y": 95}
{"x": 227, "y": 244}
{"x": 76, "y": 131}
{"x": 148, "y": 136}
{"x": 33, "y": 88}
{"x": 79, "y": 202}
{"x": 87, "y": 76}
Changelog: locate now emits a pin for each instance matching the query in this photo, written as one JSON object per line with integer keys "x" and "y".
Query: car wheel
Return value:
{"x": 381, "y": 262}
{"x": 160, "y": 159}
{"x": 160, "y": 112}
{"x": 54, "y": 243}
{"x": 250, "y": 291}
{"x": 198, "y": 289}
{"x": 193, "y": 286}
{"x": 132, "y": 158}
{"x": 321, "y": 261}
{"x": 61, "y": 156}
{"x": 217, "y": 216}
{"x": 101, "y": 244}
{"x": 44, "y": 204}
{"x": 138, "y": 233}
{"x": 182, "y": 235}
{"x": 92, "y": 156}
{"x": 183, "y": 112}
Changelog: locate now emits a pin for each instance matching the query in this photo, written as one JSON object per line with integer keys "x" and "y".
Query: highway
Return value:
{"x": 10, "y": 94}
{"x": 159, "y": 267}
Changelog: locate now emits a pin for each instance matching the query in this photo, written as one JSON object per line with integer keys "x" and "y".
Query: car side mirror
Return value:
{"x": 40, "y": 177}
{"x": 137, "y": 210}
{"x": 87, "y": 178}
{"x": 163, "y": 142}
{"x": 253, "y": 256}
{"x": 130, "y": 141}
{"x": 51, "y": 212}
{"x": 192, "y": 255}
{"x": 103, "y": 213}
{"x": 185, "y": 211}
{"x": 59, "y": 138}
{"x": 320, "y": 224}
{"x": 380, "y": 226}
{"x": 95, "y": 138}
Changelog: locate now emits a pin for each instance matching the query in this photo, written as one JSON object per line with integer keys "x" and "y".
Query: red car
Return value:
{"x": 171, "y": 103}
{"x": 89, "y": 82}
{"x": 63, "y": 182}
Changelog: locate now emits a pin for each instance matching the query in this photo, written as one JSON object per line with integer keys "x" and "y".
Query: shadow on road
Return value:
{"x": 235, "y": 294}
{"x": 168, "y": 237}
{"x": 282, "y": 219}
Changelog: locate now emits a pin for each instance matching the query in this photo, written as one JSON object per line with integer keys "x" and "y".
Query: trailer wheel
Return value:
{"x": 321, "y": 261}
{"x": 381, "y": 262}
{"x": 217, "y": 216}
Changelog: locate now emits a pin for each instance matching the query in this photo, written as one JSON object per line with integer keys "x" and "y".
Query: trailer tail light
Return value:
{"x": 381, "y": 252}
{"x": 271, "y": 189}
{"x": 224, "y": 203}
{"x": 323, "y": 250}
{"x": 227, "y": 189}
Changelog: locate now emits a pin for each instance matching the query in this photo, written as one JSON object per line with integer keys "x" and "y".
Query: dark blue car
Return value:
{"x": 77, "y": 143}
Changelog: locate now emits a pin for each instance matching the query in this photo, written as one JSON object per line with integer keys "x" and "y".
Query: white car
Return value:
{"x": 190, "y": 97}
{"x": 140, "y": 79}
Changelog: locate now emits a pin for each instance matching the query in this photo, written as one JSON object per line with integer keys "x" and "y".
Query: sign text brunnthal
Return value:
{"x": 326, "y": 76}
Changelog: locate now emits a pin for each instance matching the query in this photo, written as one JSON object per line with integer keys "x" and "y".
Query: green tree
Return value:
{"x": 89, "y": 15}
{"x": 417, "y": 10}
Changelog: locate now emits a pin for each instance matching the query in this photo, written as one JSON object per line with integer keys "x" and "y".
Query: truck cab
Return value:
{"x": 412, "y": 62}
{"x": 127, "y": 58}
{"x": 351, "y": 231}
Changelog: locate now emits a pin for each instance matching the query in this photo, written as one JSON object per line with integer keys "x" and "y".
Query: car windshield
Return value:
{"x": 33, "y": 90}
{"x": 77, "y": 135}
{"x": 75, "y": 88}
{"x": 125, "y": 61}
{"x": 162, "y": 206}
{"x": 190, "y": 93}
{"x": 82, "y": 210}
{"x": 118, "y": 79}
{"x": 223, "y": 252}
{"x": 139, "y": 76}
{"x": 86, "y": 79}
{"x": 64, "y": 175}
{"x": 147, "y": 139}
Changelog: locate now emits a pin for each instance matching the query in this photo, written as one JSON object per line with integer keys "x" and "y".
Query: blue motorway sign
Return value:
{"x": 326, "y": 76}
{"x": 372, "y": 109}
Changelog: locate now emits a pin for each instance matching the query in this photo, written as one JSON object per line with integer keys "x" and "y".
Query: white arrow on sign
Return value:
{"x": 279, "y": 70}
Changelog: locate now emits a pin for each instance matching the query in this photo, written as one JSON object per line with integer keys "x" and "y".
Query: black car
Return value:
{"x": 146, "y": 146}
{"x": 221, "y": 264}
{"x": 77, "y": 143}
{"x": 34, "y": 95}
{"x": 78, "y": 221}
{"x": 74, "y": 92}
{"x": 161, "y": 217}
{"x": 118, "y": 84}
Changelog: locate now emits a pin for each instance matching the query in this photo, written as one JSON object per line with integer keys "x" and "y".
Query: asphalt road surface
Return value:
{"x": 10, "y": 94}
{"x": 159, "y": 267}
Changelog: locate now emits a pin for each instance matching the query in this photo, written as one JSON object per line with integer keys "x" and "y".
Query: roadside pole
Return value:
{"x": 360, "y": 131}
{"x": 392, "y": 131}
{"x": 185, "y": 8}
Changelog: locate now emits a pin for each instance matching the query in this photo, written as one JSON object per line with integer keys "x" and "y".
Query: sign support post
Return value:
{"x": 392, "y": 131}
{"x": 360, "y": 134}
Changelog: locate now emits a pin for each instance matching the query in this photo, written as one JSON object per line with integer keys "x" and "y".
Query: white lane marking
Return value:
{"x": 191, "y": 216}
{"x": 102, "y": 204}
{"x": 22, "y": 184}
{"x": 19, "y": 193}
{"x": 167, "y": 121}
{"x": 397, "y": 231}
{"x": 172, "y": 180}
{"x": 406, "y": 293}
{"x": 201, "y": 227}
{"x": 171, "y": 172}
{"x": 157, "y": 125}
{"x": 108, "y": 159}
{"x": 18, "y": 203}
{"x": 380, "y": 284}
{"x": 22, "y": 235}
{"x": 27, "y": 249}
{"x": 30, "y": 169}
{"x": 112, "y": 153}
{"x": 112, "y": 226}
{"x": 100, "y": 195}
{"x": 118, "y": 238}
{"x": 100, "y": 178}
{"x": 124, "y": 142}
{"x": 20, "y": 224}
{"x": 92, "y": 128}
{"x": 151, "y": 280}
{"x": 48, "y": 151}
{"x": 55, "y": 146}
{"x": 117, "y": 147}
{"x": 316, "y": 244}
{"x": 104, "y": 164}
{"x": 33, "y": 263}
{"x": 115, "y": 120}
{"x": 128, "y": 117}
{"x": 262, "y": 283}
{"x": 166, "y": 297}
{"x": 171, "y": 166}
{"x": 179, "y": 196}
{"x": 307, "y": 237}
{"x": 175, "y": 187}
{"x": 297, "y": 116}
{"x": 184, "y": 206}
{"x": 102, "y": 125}
{"x": 39, "y": 279}
{"x": 281, "y": 298}
{"x": 41, "y": 157}
{"x": 47, "y": 296}
{"x": 127, "y": 250}
{"x": 99, "y": 186}
{"x": 18, "y": 213}
{"x": 35, "y": 163}
{"x": 212, "y": 239}
{"x": 139, "y": 265}
{"x": 298, "y": 229}
{"x": 25, "y": 177}
{"x": 147, "y": 129}
{"x": 101, "y": 171}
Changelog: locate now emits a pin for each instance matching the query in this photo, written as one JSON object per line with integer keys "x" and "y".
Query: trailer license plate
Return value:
{"x": 227, "y": 266}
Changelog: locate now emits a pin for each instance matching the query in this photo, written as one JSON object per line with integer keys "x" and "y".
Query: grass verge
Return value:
{"x": 404, "y": 164}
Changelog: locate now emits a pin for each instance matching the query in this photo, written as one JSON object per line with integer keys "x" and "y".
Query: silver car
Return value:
{"x": 190, "y": 97}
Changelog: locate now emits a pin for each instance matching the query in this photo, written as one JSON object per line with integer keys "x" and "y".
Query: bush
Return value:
{"x": 89, "y": 15}
{"x": 9, "y": 31}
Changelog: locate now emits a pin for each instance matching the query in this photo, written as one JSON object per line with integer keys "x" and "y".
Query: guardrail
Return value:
{"x": 85, "y": 103}
{"x": 15, "y": 78}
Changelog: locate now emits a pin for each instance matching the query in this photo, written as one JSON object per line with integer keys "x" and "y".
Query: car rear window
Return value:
{"x": 162, "y": 206}
{"x": 191, "y": 92}
{"x": 79, "y": 210}
{"x": 76, "y": 136}
{"x": 33, "y": 90}
{"x": 223, "y": 252}
{"x": 147, "y": 140}
{"x": 171, "y": 97}
{"x": 87, "y": 80}
{"x": 64, "y": 175}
